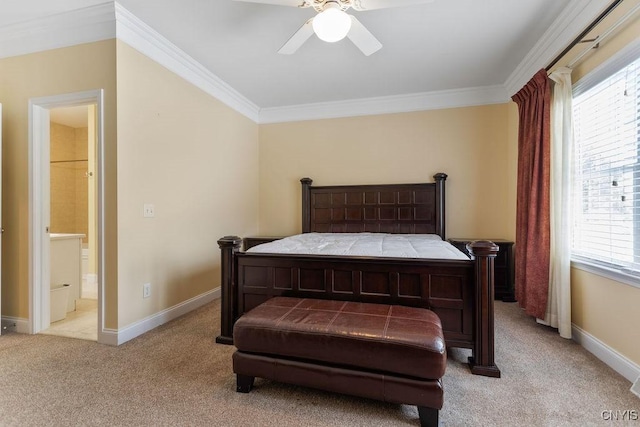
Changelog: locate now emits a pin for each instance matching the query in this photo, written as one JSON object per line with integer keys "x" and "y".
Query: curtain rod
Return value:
{"x": 602, "y": 36}
{"x": 590, "y": 27}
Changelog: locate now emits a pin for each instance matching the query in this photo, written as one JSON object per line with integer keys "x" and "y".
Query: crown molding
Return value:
{"x": 573, "y": 19}
{"x": 86, "y": 25}
{"x": 386, "y": 104}
{"x": 149, "y": 42}
{"x": 111, "y": 20}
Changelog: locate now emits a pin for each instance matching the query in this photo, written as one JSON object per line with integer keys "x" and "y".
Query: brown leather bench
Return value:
{"x": 385, "y": 352}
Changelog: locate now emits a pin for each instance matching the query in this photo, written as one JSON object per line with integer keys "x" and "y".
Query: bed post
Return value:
{"x": 229, "y": 245}
{"x": 306, "y": 204}
{"x": 482, "y": 362}
{"x": 440, "y": 179}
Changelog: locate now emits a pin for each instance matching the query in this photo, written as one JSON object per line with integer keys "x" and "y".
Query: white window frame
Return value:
{"x": 618, "y": 61}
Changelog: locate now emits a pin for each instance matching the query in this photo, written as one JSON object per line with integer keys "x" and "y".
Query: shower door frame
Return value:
{"x": 39, "y": 204}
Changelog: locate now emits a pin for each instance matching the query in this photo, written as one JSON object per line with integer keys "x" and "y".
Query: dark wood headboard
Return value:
{"x": 389, "y": 208}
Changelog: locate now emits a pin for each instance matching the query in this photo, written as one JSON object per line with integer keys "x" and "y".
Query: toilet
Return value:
{"x": 58, "y": 302}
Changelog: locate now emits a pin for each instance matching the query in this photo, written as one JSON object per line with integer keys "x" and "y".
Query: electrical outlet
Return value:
{"x": 146, "y": 290}
{"x": 148, "y": 210}
{"x": 8, "y": 326}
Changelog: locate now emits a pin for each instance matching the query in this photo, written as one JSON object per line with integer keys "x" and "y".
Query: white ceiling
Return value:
{"x": 446, "y": 45}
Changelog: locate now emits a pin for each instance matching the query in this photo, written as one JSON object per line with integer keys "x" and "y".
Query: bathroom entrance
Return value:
{"x": 72, "y": 225}
{"x": 66, "y": 290}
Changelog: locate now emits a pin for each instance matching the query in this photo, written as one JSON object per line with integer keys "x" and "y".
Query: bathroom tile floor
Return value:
{"x": 81, "y": 324}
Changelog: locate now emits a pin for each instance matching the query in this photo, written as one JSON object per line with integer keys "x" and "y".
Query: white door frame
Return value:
{"x": 39, "y": 202}
{"x": 1, "y": 227}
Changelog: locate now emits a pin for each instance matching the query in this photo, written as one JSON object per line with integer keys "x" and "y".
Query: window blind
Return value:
{"x": 607, "y": 171}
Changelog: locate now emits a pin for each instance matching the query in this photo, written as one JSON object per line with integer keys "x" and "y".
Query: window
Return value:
{"x": 606, "y": 186}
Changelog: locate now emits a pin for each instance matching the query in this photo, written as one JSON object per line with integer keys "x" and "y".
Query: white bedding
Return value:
{"x": 364, "y": 244}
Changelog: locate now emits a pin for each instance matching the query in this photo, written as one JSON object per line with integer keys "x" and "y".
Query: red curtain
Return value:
{"x": 532, "y": 210}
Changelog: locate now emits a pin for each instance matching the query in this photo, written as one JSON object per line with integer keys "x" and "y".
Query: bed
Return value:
{"x": 460, "y": 291}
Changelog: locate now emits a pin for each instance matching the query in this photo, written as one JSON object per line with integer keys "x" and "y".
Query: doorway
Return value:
{"x": 66, "y": 225}
{"x": 72, "y": 231}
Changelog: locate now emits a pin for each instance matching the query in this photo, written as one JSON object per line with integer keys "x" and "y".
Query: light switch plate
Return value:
{"x": 146, "y": 290}
{"x": 148, "y": 210}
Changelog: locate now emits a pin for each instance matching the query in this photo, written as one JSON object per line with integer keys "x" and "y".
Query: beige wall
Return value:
{"x": 608, "y": 310}
{"x": 68, "y": 180}
{"x": 472, "y": 145}
{"x": 196, "y": 160}
{"x": 604, "y": 308}
{"x": 177, "y": 147}
{"x": 73, "y": 69}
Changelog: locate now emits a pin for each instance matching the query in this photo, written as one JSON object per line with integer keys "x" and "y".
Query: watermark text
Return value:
{"x": 620, "y": 415}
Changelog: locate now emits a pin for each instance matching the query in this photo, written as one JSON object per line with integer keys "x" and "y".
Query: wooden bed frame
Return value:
{"x": 459, "y": 291}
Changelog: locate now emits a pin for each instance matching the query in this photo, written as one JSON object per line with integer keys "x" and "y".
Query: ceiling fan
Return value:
{"x": 332, "y": 23}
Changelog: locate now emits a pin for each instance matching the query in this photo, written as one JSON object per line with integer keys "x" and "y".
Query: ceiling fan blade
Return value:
{"x": 293, "y": 3}
{"x": 362, "y": 38}
{"x": 383, "y": 4}
{"x": 297, "y": 39}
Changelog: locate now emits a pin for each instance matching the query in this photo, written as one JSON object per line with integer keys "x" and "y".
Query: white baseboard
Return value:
{"x": 635, "y": 388}
{"x": 619, "y": 363}
{"x": 122, "y": 335}
{"x": 116, "y": 337}
{"x": 15, "y": 324}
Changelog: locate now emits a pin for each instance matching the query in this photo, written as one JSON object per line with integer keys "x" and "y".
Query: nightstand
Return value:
{"x": 504, "y": 272}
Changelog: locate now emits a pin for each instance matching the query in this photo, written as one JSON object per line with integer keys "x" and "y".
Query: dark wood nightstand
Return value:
{"x": 504, "y": 271}
{"x": 249, "y": 242}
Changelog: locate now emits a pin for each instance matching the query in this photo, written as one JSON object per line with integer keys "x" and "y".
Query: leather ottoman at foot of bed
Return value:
{"x": 385, "y": 352}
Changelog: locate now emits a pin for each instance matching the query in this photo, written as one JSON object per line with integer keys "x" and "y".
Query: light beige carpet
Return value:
{"x": 176, "y": 375}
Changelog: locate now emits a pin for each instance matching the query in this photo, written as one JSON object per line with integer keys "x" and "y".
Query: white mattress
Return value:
{"x": 364, "y": 244}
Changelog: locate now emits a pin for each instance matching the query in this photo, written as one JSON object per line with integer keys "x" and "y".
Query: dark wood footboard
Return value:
{"x": 459, "y": 291}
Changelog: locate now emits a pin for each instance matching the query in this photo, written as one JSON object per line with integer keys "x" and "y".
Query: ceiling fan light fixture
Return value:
{"x": 332, "y": 24}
